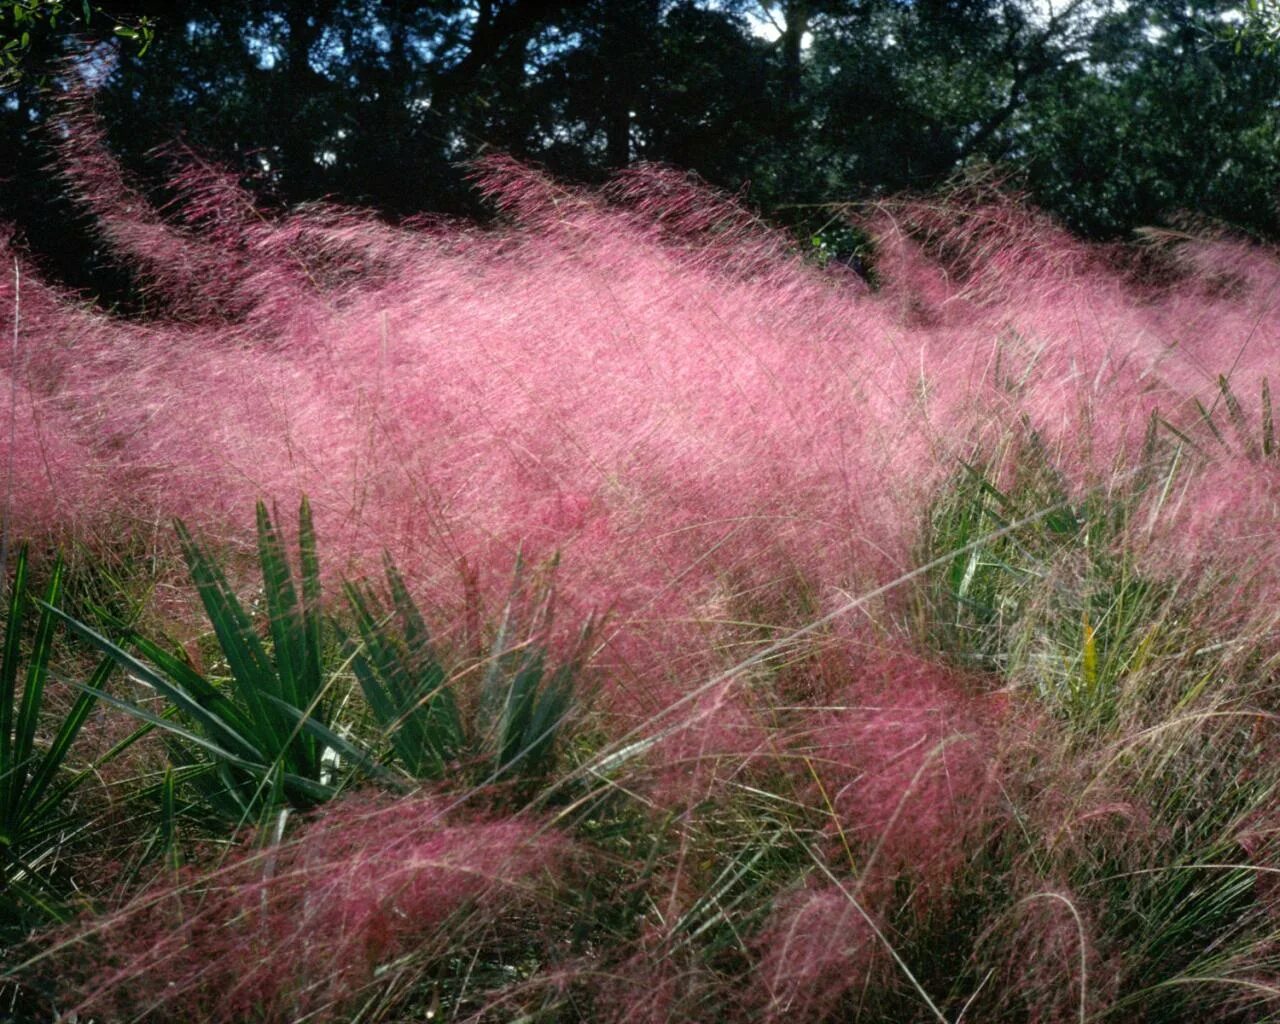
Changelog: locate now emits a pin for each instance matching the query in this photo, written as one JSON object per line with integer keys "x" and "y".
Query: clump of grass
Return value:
{"x": 304, "y": 926}
{"x": 1042, "y": 590}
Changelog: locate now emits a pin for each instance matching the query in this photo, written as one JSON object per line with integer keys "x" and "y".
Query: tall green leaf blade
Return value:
{"x": 282, "y": 608}
{"x": 289, "y": 642}
{"x": 518, "y": 709}
{"x": 168, "y": 827}
{"x": 309, "y": 569}
{"x": 384, "y": 710}
{"x": 9, "y": 670}
{"x": 493, "y": 695}
{"x": 546, "y": 719}
{"x": 50, "y": 799}
{"x": 173, "y": 728}
{"x": 37, "y": 673}
{"x": 197, "y": 687}
{"x": 441, "y": 722}
{"x": 251, "y": 669}
{"x": 417, "y": 636}
{"x": 208, "y": 719}
{"x": 31, "y": 892}
{"x": 70, "y": 727}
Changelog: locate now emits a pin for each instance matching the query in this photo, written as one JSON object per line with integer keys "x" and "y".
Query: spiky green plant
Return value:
{"x": 33, "y": 782}
{"x": 260, "y": 742}
{"x": 403, "y": 679}
{"x": 515, "y": 718}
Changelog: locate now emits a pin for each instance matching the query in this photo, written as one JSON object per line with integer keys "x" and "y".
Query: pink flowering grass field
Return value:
{"x": 612, "y": 615}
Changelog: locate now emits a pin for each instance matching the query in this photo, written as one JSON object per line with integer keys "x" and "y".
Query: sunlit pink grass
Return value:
{"x": 819, "y": 945}
{"x": 648, "y": 382}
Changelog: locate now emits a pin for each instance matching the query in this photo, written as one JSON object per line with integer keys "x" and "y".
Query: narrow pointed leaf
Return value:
{"x": 282, "y": 609}
{"x": 70, "y": 727}
{"x": 206, "y": 718}
{"x": 37, "y": 673}
{"x": 197, "y": 687}
{"x": 309, "y": 567}
{"x": 251, "y": 669}
{"x": 9, "y": 664}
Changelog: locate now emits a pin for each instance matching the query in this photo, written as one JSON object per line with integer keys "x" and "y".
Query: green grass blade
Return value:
{"x": 175, "y": 729}
{"x": 70, "y": 727}
{"x": 404, "y": 729}
{"x": 206, "y": 718}
{"x": 493, "y": 695}
{"x": 169, "y": 821}
{"x": 297, "y": 681}
{"x": 31, "y": 893}
{"x": 979, "y": 477}
{"x": 54, "y": 796}
{"x": 37, "y": 673}
{"x": 252, "y": 670}
{"x": 9, "y": 669}
{"x": 282, "y": 610}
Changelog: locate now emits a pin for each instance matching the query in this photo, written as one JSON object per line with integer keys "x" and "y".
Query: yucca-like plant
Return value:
{"x": 403, "y": 679}
{"x": 261, "y": 742}
{"x": 33, "y": 782}
{"x": 508, "y": 730}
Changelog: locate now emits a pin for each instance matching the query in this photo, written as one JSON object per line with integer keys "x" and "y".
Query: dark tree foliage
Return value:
{"x": 1116, "y": 115}
{"x": 1167, "y": 117}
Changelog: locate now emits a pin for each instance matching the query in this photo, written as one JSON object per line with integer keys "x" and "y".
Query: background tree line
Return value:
{"x": 1114, "y": 115}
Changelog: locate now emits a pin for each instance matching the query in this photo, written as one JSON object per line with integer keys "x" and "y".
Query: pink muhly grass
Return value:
{"x": 1089, "y": 352}
{"x": 646, "y": 381}
{"x": 1045, "y": 964}
{"x": 1221, "y": 515}
{"x": 907, "y": 771}
{"x": 298, "y": 929}
{"x": 817, "y": 947}
{"x": 660, "y": 983}
{"x": 712, "y": 743}
{"x": 195, "y": 278}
